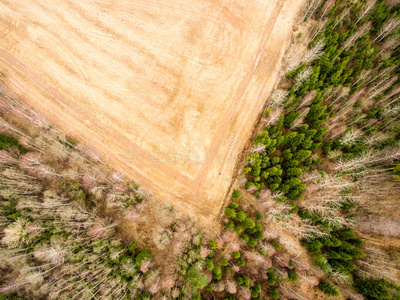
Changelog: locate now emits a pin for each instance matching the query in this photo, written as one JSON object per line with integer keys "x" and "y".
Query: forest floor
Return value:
{"x": 168, "y": 93}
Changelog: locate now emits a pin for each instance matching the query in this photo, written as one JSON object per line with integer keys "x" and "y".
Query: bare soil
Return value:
{"x": 168, "y": 92}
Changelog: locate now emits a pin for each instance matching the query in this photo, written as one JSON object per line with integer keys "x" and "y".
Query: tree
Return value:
{"x": 238, "y": 229}
{"x": 236, "y": 194}
{"x": 273, "y": 278}
{"x": 209, "y": 264}
{"x": 252, "y": 242}
{"x": 274, "y": 293}
{"x": 224, "y": 261}
{"x": 230, "y": 213}
{"x": 302, "y": 155}
{"x": 278, "y": 97}
{"x": 328, "y": 288}
{"x": 217, "y": 272}
{"x": 374, "y": 289}
{"x": 245, "y": 237}
{"x": 276, "y": 245}
{"x": 246, "y": 282}
{"x": 255, "y": 290}
{"x": 212, "y": 244}
{"x": 241, "y": 216}
{"x": 292, "y": 276}
{"x": 196, "y": 278}
{"x": 241, "y": 262}
{"x": 233, "y": 205}
{"x": 322, "y": 263}
{"x": 141, "y": 257}
{"x": 236, "y": 254}
{"x": 230, "y": 224}
{"x": 290, "y": 117}
{"x": 248, "y": 223}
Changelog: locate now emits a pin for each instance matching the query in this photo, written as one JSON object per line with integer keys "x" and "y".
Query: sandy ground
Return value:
{"x": 168, "y": 92}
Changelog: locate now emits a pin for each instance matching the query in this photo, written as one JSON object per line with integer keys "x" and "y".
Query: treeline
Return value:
{"x": 248, "y": 262}
{"x": 64, "y": 218}
{"x": 53, "y": 244}
{"x": 332, "y": 134}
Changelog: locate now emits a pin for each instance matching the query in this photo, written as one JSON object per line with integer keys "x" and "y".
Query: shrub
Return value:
{"x": 14, "y": 216}
{"x": 241, "y": 262}
{"x": 328, "y": 288}
{"x": 7, "y": 142}
{"x": 81, "y": 196}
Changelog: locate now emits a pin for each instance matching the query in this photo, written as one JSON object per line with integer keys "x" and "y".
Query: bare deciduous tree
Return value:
{"x": 377, "y": 264}
{"x": 315, "y": 52}
{"x": 387, "y": 29}
{"x": 367, "y": 8}
{"x": 15, "y": 234}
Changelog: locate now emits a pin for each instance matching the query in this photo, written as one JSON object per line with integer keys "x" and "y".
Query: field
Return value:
{"x": 167, "y": 92}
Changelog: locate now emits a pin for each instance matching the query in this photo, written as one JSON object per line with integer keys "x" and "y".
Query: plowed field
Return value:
{"x": 168, "y": 92}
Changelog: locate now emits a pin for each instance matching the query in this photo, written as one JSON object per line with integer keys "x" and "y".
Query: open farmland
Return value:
{"x": 167, "y": 92}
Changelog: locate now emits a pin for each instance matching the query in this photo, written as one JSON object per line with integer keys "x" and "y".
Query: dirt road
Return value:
{"x": 167, "y": 92}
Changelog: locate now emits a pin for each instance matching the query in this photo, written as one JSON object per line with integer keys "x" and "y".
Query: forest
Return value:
{"x": 314, "y": 212}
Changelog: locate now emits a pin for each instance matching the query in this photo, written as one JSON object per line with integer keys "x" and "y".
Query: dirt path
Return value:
{"x": 167, "y": 92}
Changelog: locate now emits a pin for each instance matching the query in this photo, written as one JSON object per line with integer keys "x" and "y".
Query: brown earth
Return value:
{"x": 168, "y": 92}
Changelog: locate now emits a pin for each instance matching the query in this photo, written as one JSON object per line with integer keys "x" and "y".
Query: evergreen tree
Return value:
{"x": 328, "y": 288}
{"x": 374, "y": 289}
